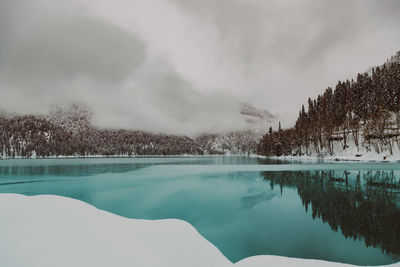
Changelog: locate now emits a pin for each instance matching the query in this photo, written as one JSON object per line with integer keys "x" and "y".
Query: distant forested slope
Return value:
{"x": 361, "y": 114}
{"x": 69, "y": 132}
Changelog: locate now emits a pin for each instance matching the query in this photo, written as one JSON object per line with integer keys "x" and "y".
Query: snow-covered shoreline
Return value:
{"x": 355, "y": 157}
{"x": 349, "y": 155}
{"x": 132, "y": 156}
{"x": 51, "y": 230}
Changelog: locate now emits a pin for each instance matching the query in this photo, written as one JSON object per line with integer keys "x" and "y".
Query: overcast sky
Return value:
{"x": 180, "y": 66}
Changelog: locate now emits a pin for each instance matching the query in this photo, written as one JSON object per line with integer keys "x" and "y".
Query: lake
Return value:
{"x": 342, "y": 212}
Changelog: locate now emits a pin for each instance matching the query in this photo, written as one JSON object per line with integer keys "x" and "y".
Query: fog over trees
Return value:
{"x": 68, "y": 131}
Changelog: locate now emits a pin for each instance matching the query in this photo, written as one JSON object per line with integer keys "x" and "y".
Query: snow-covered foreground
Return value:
{"x": 52, "y": 231}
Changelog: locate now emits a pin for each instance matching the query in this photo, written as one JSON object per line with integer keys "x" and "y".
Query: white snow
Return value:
{"x": 347, "y": 155}
{"x": 351, "y": 153}
{"x": 57, "y": 231}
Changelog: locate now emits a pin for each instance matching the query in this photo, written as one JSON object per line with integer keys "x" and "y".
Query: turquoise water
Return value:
{"x": 338, "y": 212}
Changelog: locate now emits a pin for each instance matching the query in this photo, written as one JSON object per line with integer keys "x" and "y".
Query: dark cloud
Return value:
{"x": 56, "y": 48}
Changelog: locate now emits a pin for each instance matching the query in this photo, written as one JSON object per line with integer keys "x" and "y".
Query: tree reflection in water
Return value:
{"x": 362, "y": 204}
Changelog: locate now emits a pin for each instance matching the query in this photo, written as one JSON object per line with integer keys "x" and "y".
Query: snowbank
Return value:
{"x": 349, "y": 154}
{"x": 346, "y": 156}
{"x": 366, "y": 153}
{"x": 58, "y": 231}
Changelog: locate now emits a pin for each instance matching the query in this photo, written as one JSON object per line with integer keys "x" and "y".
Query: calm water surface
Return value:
{"x": 343, "y": 212}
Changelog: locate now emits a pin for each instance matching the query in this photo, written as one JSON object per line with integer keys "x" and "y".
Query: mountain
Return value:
{"x": 256, "y": 118}
{"x": 240, "y": 141}
{"x": 69, "y": 131}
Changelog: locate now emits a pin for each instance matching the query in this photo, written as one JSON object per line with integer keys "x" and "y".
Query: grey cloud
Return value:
{"x": 287, "y": 50}
{"x": 168, "y": 103}
{"x": 52, "y": 56}
{"x": 182, "y": 65}
{"x": 45, "y": 50}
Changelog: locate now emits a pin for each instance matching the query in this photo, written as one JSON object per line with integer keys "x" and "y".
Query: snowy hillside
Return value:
{"x": 358, "y": 119}
{"x": 70, "y": 132}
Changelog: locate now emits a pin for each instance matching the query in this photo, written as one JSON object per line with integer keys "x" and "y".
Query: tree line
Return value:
{"x": 363, "y": 113}
{"x": 68, "y": 131}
